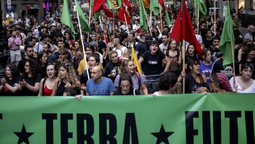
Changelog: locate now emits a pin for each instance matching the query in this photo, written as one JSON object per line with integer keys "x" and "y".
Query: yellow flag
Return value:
{"x": 134, "y": 59}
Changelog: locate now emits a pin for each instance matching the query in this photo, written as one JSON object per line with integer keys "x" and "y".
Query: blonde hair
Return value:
{"x": 71, "y": 73}
{"x": 123, "y": 66}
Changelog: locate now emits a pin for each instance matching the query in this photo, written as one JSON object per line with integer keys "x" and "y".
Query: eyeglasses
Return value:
{"x": 26, "y": 65}
{"x": 211, "y": 82}
{"x": 252, "y": 54}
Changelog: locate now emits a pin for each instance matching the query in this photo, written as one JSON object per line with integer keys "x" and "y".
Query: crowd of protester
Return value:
{"x": 45, "y": 60}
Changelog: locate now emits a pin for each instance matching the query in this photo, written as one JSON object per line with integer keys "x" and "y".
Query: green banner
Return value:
{"x": 170, "y": 119}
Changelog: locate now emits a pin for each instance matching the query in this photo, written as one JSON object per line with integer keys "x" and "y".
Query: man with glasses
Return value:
{"x": 29, "y": 55}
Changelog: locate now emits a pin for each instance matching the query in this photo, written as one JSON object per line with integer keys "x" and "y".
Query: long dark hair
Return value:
{"x": 126, "y": 76}
{"x": 39, "y": 57}
{"x": 35, "y": 69}
{"x": 14, "y": 71}
{"x": 191, "y": 63}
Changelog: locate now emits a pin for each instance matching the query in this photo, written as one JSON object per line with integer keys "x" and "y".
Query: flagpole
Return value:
{"x": 101, "y": 23}
{"x": 126, "y": 23}
{"x": 149, "y": 26}
{"x": 89, "y": 21}
{"x": 113, "y": 21}
{"x": 150, "y": 22}
{"x": 233, "y": 61}
{"x": 198, "y": 30}
{"x": 85, "y": 58}
{"x": 160, "y": 18}
{"x": 214, "y": 14}
{"x": 183, "y": 65}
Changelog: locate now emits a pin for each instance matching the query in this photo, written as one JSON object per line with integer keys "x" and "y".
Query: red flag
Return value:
{"x": 187, "y": 30}
{"x": 107, "y": 12}
{"x": 129, "y": 6}
{"x": 161, "y": 2}
{"x": 177, "y": 31}
{"x": 121, "y": 14}
{"x": 98, "y": 5}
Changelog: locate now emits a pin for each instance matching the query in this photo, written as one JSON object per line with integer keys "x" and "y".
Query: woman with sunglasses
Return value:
{"x": 244, "y": 83}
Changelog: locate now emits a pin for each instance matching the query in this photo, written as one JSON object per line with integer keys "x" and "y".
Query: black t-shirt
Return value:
{"x": 228, "y": 70}
{"x": 118, "y": 92}
{"x": 112, "y": 68}
{"x": 141, "y": 48}
{"x": 60, "y": 89}
{"x": 191, "y": 85}
{"x": 25, "y": 91}
{"x": 101, "y": 45}
{"x": 152, "y": 64}
{"x": 84, "y": 77}
{"x": 216, "y": 53}
{"x": 5, "y": 91}
{"x": 208, "y": 43}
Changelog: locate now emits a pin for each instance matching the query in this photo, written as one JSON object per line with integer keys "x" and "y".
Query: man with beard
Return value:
{"x": 215, "y": 51}
{"x": 29, "y": 55}
{"x": 51, "y": 56}
{"x": 13, "y": 43}
{"x": 61, "y": 46}
{"x": 163, "y": 46}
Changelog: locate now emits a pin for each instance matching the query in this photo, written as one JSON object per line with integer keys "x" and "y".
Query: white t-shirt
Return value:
{"x": 120, "y": 51}
{"x": 250, "y": 89}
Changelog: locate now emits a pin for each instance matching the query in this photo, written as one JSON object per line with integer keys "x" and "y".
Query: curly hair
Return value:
{"x": 14, "y": 71}
{"x": 167, "y": 80}
{"x": 71, "y": 73}
{"x": 34, "y": 67}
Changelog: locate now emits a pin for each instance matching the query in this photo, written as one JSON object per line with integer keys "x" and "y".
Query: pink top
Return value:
{"x": 17, "y": 40}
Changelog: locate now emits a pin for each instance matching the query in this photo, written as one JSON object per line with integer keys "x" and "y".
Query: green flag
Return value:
{"x": 118, "y": 2}
{"x": 83, "y": 22}
{"x": 66, "y": 19}
{"x": 97, "y": 14}
{"x": 168, "y": 20}
{"x": 227, "y": 38}
{"x": 143, "y": 15}
{"x": 201, "y": 8}
{"x": 109, "y": 4}
{"x": 154, "y": 6}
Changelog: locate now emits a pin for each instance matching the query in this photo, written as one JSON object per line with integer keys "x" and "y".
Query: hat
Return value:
{"x": 224, "y": 81}
{"x": 148, "y": 38}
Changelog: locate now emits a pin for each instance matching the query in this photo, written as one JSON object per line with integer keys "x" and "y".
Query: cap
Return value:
{"x": 148, "y": 38}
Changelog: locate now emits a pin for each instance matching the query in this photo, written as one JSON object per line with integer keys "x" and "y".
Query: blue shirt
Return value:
{"x": 104, "y": 87}
{"x": 206, "y": 70}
